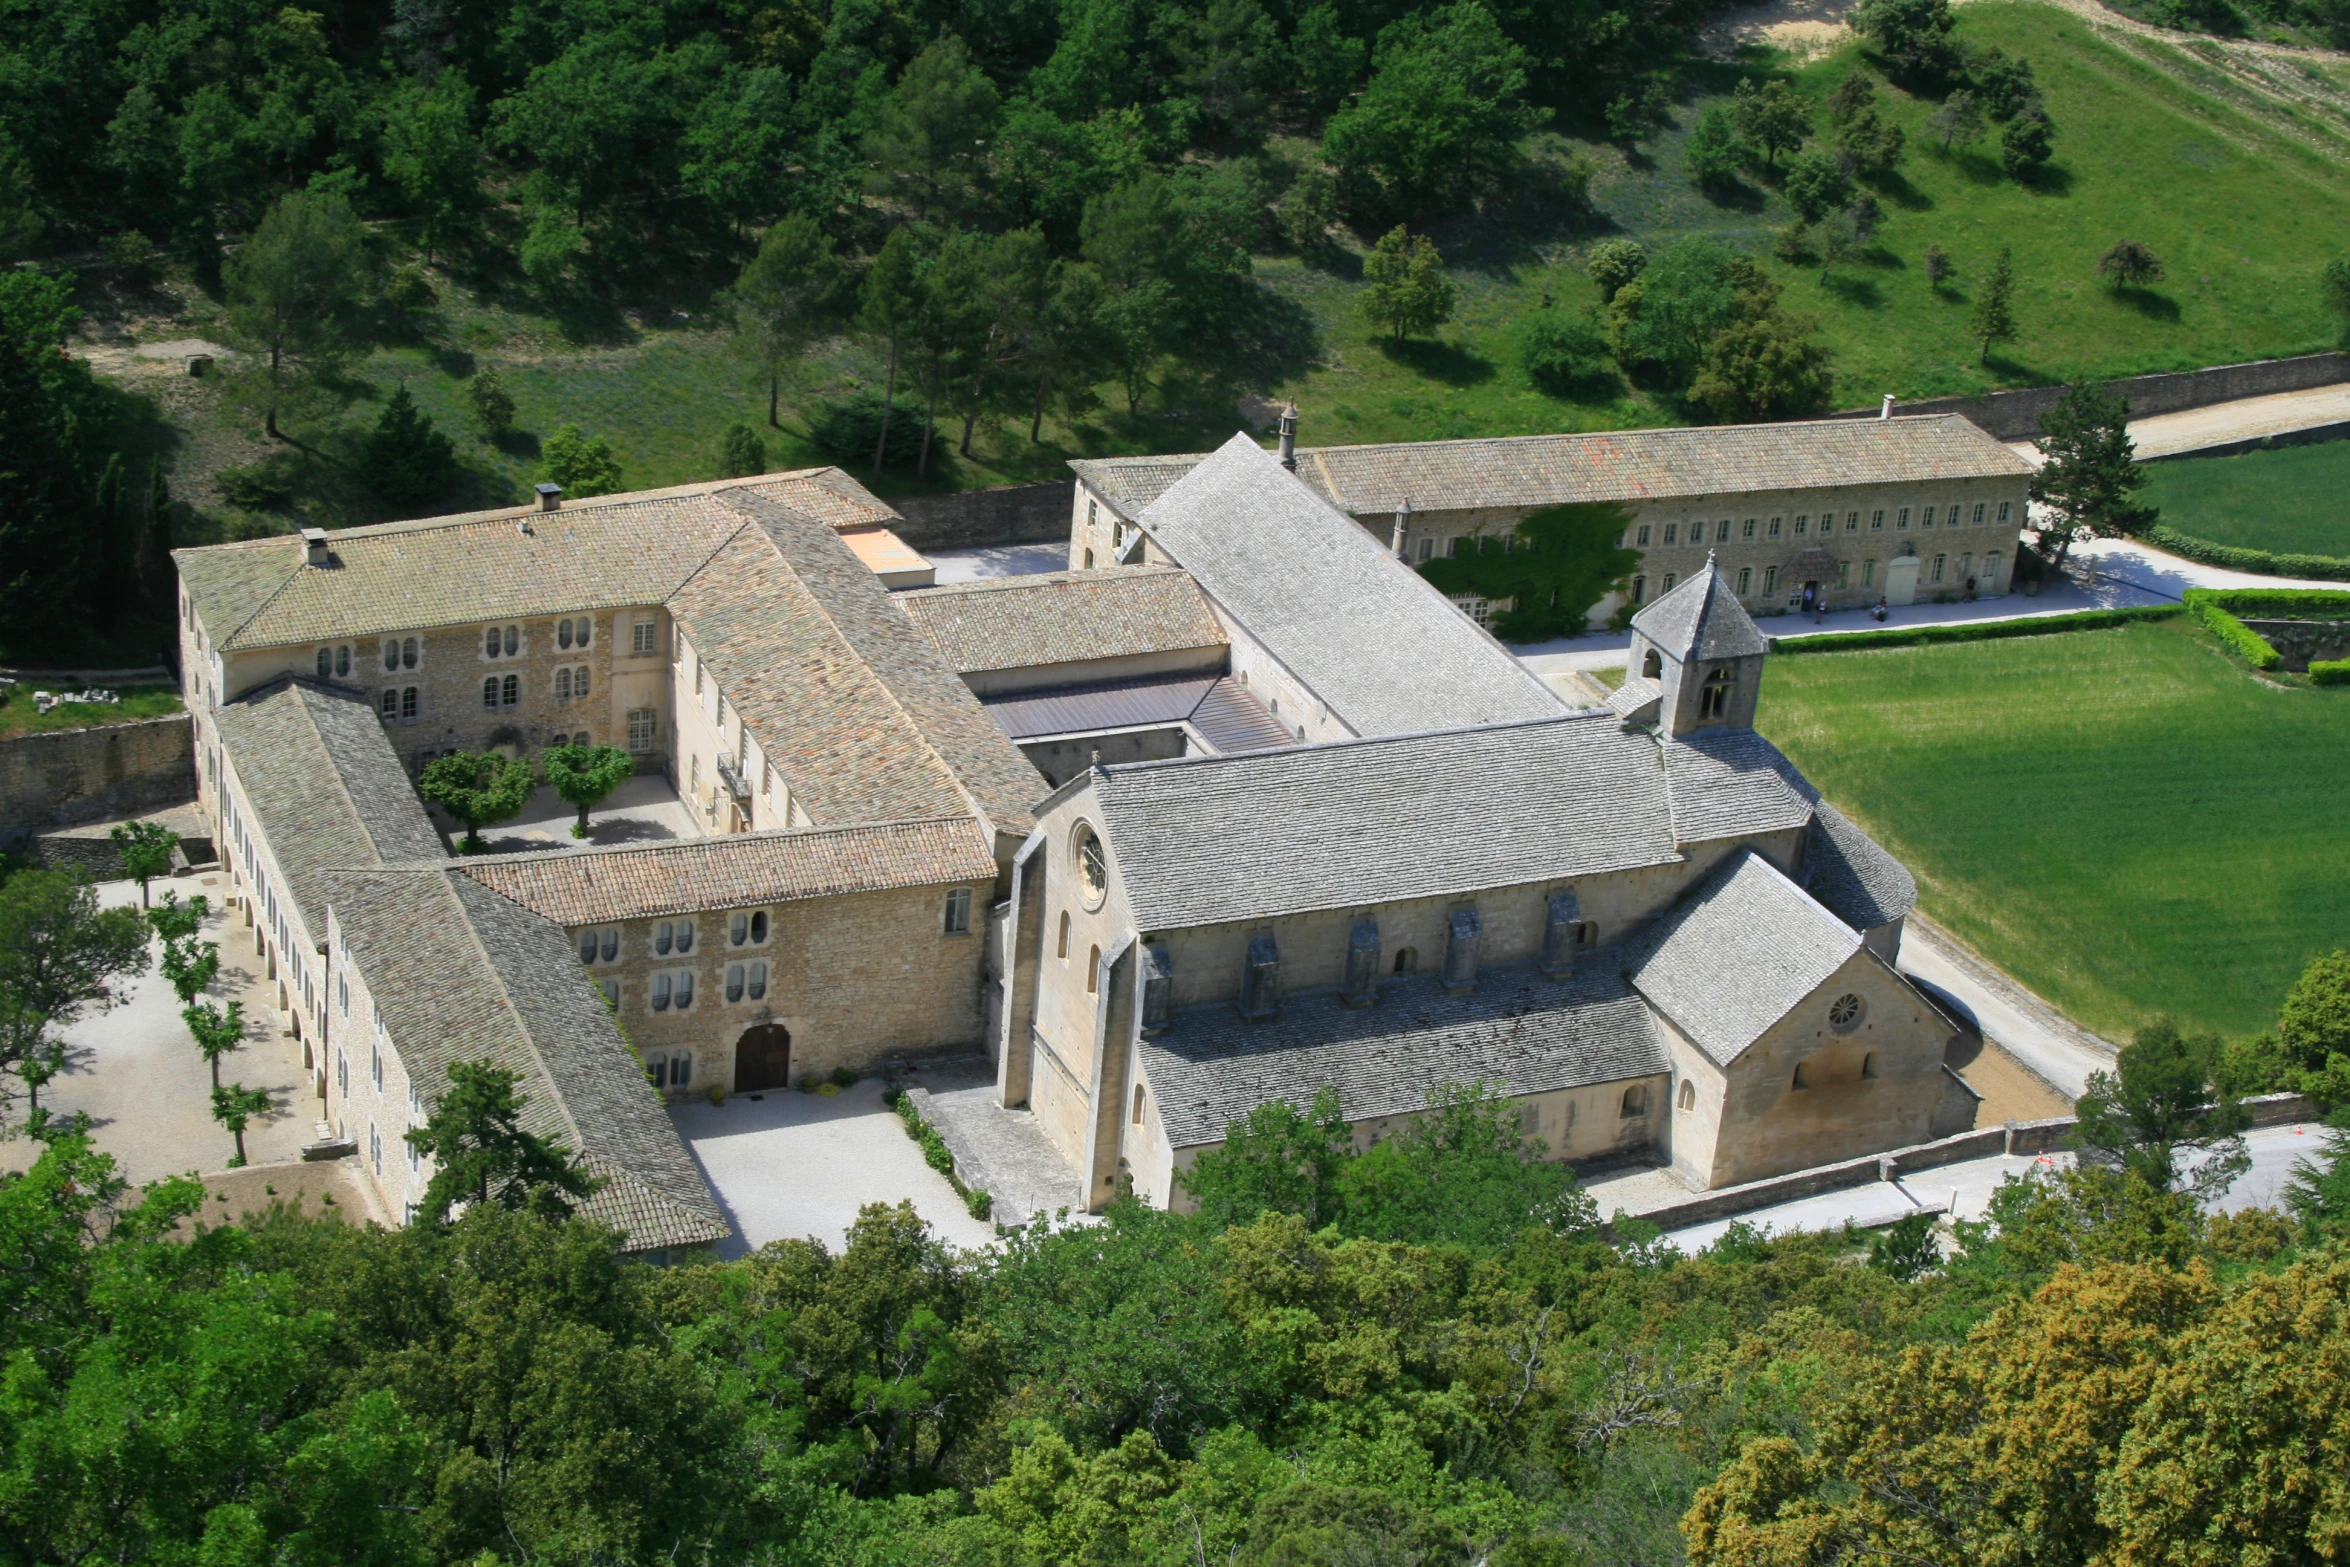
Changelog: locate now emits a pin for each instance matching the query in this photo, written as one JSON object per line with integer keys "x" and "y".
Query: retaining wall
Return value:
{"x": 2015, "y": 415}
{"x": 973, "y": 519}
{"x": 78, "y": 775}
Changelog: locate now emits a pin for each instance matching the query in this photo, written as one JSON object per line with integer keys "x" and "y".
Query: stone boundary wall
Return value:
{"x": 2015, "y": 415}
{"x": 2315, "y": 435}
{"x": 77, "y": 775}
{"x": 2015, "y": 1137}
{"x": 975, "y": 519}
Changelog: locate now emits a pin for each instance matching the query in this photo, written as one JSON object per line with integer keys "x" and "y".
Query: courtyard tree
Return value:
{"x": 145, "y": 848}
{"x": 217, "y": 1030}
{"x": 584, "y": 775}
{"x": 1404, "y": 286}
{"x": 1993, "y": 318}
{"x": 61, "y": 958}
{"x": 2129, "y": 265}
{"x": 173, "y": 920}
{"x": 292, "y": 285}
{"x": 2089, "y": 470}
{"x": 483, "y": 1155}
{"x": 786, "y": 296}
{"x": 2160, "y": 1104}
{"x": 477, "y": 789}
{"x": 234, "y": 1107}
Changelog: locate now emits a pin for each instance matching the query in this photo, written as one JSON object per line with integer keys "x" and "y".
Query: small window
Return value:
{"x": 1652, "y": 665}
{"x": 611, "y": 945}
{"x": 563, "y": 682}
{"x": 1635, "y": 1101}
{"x": 1802, "y": 525}
{"x": 375, "y": 1148}
{"x": 1089, "y": 559}
{"x": 1644, "y": 534}
{"x": 1852, "y": 522}
{"x": 1639, "y": 589}
{"x": 1138, "y": 1104}
{"x": 1845, "y": 1012}
{"x": 1901, "y": 521}
{"x": 1407, "y": 960}
{"x": 1688, "y": 1094}
{"x": 391, "y": 653}
{"x": 644, "y": 637}
{"x": 681, "y": 1068}
{"x": 1671, "y": 530}
{"x": 958, "y": 918}
{"x": 685, "y": 990}
{"x": 1938, "y": 560}
{"x": 1926, "y": 518}
{"x": 758, "y": 926}
{"x": 375, "y": 1067}
{"x": 510, "y": 691}
{"x": 660, "y": 992}
{"x": 1093, "y": 971}
{"x": 734, "y": 982}
{"x": 2003, "y": 506}
{"x": 489, "y": 642}
{"x": 1722, "y": 531}
{"x": 587, "y": 946}
{"x": 758, "y": 981}
{"x": 664, "y": 935}
{"x": 489, "y": 692}
{"x": 656, "y": 1067}
{"x": 562, "y": 633}
{"x": 685, "y": 935}
{"x": 391, "y": 703}
{"x": 342, "y": 1074}
{"x": 1671, "y": 577}
{"x": 1991, "y": 569}
{"x": 1745, "y": 580}
{"x": 326, "y": 663}
{"x": 1427, "y": 548}
{"x": 513, "y": 640}
{"x": 1978, "y": 514}
{"x": 738, "y": 929}
{"x": 640, "y": 729}
{"x": 408, "y": 654}
{"x": 579, "y": 681}
{"x": 1714, "y": 700}
{"x": 1843, "y": 573}
{"x": 1774, "y": 528}
{"x": 697, "y": 677}
{"x": 408, "y": 704}
{"x": 1770, "y": 580}
{"x": 1966, "y": 564}
{"x": 1746, "y": 529}
{"x": 1876, "y": 522}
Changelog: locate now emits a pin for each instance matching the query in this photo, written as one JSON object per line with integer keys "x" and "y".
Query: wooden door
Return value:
{"x": 762, "y": 1058}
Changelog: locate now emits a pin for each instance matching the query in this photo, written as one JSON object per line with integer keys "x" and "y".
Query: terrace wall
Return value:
{"x": 77, "y": 775}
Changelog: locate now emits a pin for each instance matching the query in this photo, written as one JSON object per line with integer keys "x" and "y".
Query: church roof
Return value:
{"x": 1516, "y": 1030}
{"x": 1609, "y": 465}
{"x": 1701, "y": 619}
{"x": 1728, "y": 783}
{"x": 1063, "y": 617}
{"x": 1316, "y": 592}
{"x": 1736, "y": 955}
{"x": 1212, "y": 839}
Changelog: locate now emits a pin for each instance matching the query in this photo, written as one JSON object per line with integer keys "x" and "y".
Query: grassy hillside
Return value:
{"x": 2241, "y": 195}
{"x": 2290, "y": 501}
{"x": 2125, "y": 820}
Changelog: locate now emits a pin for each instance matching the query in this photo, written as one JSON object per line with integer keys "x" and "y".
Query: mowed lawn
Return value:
{"x": 2123, "y": 819}
{"x": 2295, "y": 501}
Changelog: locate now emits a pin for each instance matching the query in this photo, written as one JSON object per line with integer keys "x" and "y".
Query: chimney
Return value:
{"x": 1886, "y": 412}
{"x": 1260, "y": 981}
{"x": 1361, "y": 988}
{"x": 550, "y": 497}
{"x": 314, "y": 546}
{"x": 1460, "y": 951}
{"x": 1289, "y": 436}
{"x": 1403, "y": 524}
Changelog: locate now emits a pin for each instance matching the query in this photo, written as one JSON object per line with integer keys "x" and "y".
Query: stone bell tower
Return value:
{"x": 1696, "y": 659}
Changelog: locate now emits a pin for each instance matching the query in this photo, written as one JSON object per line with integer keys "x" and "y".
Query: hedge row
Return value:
{"x": 2267, "y": 563}
{"x": 1972, "y": 631}
{"x": 2329, "y": 671}
{"x": 2241, "y": 639}
{"x": 2218, "y": 609}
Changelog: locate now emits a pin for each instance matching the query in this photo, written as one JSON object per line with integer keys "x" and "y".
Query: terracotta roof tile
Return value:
{"x": 1063, "y": 617}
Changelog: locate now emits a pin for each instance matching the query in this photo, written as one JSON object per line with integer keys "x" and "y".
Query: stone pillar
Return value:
{"x": 1460, "y": 950}
{"x": 1116, "y": 1030}
{"x": 1026, "y": 945}
{"x": 1361, "y": 988}
{"x": 1562, "y": 931}
{"x": 1260, "y": 981}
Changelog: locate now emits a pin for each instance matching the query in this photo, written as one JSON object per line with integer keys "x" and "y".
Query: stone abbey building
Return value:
{"x": 1241, "y": 810}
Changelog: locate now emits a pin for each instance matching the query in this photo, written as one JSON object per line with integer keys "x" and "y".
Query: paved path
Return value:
{"x": 786, "y": 1165}
{"x": 137, "y": 1075}
{"x": 1019, "y": 1165}
{"x": 998, "y": 560}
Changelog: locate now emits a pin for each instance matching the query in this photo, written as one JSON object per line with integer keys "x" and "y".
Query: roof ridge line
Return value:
{"x": 342, "y": 785}
{"x": 1564, "y": 715}
{"x": 712, "y": 840}
{"x": 506, "y": 1000}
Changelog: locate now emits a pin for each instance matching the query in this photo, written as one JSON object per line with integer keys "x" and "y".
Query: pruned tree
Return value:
{"x": 217, "y": 1030}
{"x": 483, "y": 1154}
{"x": 478, "y": 790}
{"x": 585, "y": 775}
{"x": 145, "y": 848}
{"x": 234, "y": 1107}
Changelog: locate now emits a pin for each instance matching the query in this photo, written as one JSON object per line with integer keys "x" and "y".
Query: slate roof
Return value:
{"x": 739, "y": 870}
{"x": 1728, "y": 783}
{"x": 1206, "y": 840}
{"x": 1218, "y": 706}
{"x": 1063, "y": 617}
{"x": 842, "y": 693}
{"x": 1851, "y": 874}
{"x": 1701, "y": 619}
{"x": 1637, "y": 692}
{"x": 462, "y": 974}
{"x": 324, "y": 785}
{"x": 1359, "y": 628}
{"x": 1613, "y": 465}
{"x": 606, "y": 552}
{"x": 1516, "y": 1030}
{"x": 1736, "y": 954}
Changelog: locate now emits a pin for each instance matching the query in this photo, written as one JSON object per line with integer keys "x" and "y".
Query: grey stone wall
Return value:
{"x": 2300, "y": 641}
{"x": 2015, "y": 415}
{"x": 78, "y": 775}
{"x": 1014, "y": 514}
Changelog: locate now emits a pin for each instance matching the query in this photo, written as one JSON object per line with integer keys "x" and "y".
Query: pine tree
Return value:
{"x": 408, "y": 460}
{"x": 1994, "y": 317}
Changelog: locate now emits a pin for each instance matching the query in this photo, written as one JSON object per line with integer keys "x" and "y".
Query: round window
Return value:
{"x": 1844, "y": 1013}
{"x": 1093, "y": 869}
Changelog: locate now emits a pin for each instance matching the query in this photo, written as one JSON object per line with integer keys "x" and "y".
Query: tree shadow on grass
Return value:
{"x": 1450, "y": 363}
{"x": 1734, "y": 194}
{"x": 2049, "y": 179}
{"x": 1858, "y": 291}
{"x": 2148, "y": 303}
{"x": 1897, "y": 189}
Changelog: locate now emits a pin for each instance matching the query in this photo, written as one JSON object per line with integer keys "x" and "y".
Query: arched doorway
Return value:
{"x": 762, "y": 1058}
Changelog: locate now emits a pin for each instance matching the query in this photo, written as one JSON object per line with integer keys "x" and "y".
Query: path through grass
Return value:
{"x": 2123, "y": 819}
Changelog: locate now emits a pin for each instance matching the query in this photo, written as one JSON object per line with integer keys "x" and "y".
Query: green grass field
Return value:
{"x": 2295, "y": 500}
{"x": 2124, "y": 820}
{"x": 18, "y": 718}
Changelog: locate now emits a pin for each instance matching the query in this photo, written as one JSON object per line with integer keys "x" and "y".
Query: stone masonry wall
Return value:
{"x": 2015, "y": 415}
{"x": 1013, "y": 514}
{"x": 78, "y": 775}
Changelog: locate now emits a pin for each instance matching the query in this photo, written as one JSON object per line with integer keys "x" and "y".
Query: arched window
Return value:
{"x": 1714, "y": 702}
{"x": 1138, "y": 1104}
{"x": 1093, "y": 971}
{"x": 1868, "y": 1064}
{"x": 1688, "y": 1094}
{"x": 1407, "y": 960}
{"x": 1063, "y": 952}
{"x": 1653, "y": 665}
{"x": 1635, "y": 1101}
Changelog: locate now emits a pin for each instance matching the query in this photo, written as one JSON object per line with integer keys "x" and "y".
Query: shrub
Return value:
{"x": 1981, "y": 631}
{"x": 845, "y": 430}
{"x": 2241, "y": 639}
{"x": 979, "y": 1203}
{"x": 2326, "y": 568}
{"x": 407, "y": 460}
{"x": 2329, "y": 671}
{"x": 259, "y": 486}
{"x": 492, "y": 404}
{"x": 1615, "y": 262}
{"x": 742, "y": 454}
{"x": 410, "y": 289}
{"x": 1566, "y": 355}
{"x": 2218, "y": 609}
{"x": 583, "y": 464}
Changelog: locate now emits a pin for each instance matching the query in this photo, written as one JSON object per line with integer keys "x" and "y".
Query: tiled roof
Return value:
{"x": 1701, "y": 619}
{"x": 1614, "y": 465}
{"x": 1218, "y": 706}
{"x": 607, "y": 552}
{"x": 1728, "y": 783}
{"x": 1516, "y": 1030}
{"x": 1063, "y": 617}
{"x": 1852, "y": 875}
{"x": 1358, "y": 627}
{"x": 1207, "y": 840}
{"x": 324, "y": 784}
{"x": 463, "y": 975}
{"x": 1637, "y": 692}
{"x": 845, "y": 697}
{"x": 1736, "y": 955}
{"x": 737, "y": 871}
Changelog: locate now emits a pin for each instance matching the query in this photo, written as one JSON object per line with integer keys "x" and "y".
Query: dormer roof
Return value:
{"x": 1700, "y": 619}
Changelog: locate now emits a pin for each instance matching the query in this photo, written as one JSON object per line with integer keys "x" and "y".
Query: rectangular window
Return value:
{"x": 1671, "y": 577}
{"x": 1901, "y": 522}
{"x": 1991, "y": 570}
{"x": 1427, "y": 547}
{"x": 563, "y": 683}
{"x": 375, "y": 1148}
{"x": 407, "y": 704}
{"x": 1802, "y": 525}
{"x": 1926, "y": 518}
{"x": 1868, "y": 573}
{"x": 510, "y": 691}
{"x": 1452, "y": 547}
{"x": 685, "y": 990}
{"x": 1876, "y": 522}
{"x": 959, "y": 912}
{"x": 1721, "y": 531}
{"x": 1843, "y": 573}
{"x": 1965, "y": 564}
{"x": 579, "y": 682}
{"x": 1746, "y": 529}
{"x": 1938, "y": 560}
{"x": 758, "y": 989}
{"x": 375, "y": 1067}
{"x": 1774, "y": 527}
{"x": 734, "y": 982}
{"x": 391, "y": 704}
{"x": 1978, "y": 514}
{"x": 643, "y": 637}
{"x": 640, "y": 729}
{"x": 611, "y": 944}
{"x": 2003, "y": 506}
{"x": 1672, "y": 531}
{"x": 1644, "y": 535}
{"x": 391, "y": 653}
{"x": 1745, "y": 580}
{"x": 659, "y": 993}
{"x": 342, "y": 1073}
{"x": 489, "y": 692}
{"x": 1852, "y": 522}
{"x": 408, "y": 654}
{"x": 1770, "y": 580}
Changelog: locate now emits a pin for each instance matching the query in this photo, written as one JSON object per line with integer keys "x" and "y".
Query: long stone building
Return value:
{"x": 1251, "y": 811}
{"x": 1904, "y": 509}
